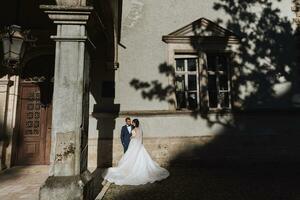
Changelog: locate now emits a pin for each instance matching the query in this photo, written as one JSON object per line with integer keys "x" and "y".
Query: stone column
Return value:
{"x": 5, "y": 83}
{"x": 69, "y": 176}
{"x": 8, "y": 107}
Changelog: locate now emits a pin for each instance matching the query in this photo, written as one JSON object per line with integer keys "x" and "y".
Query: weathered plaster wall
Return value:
{"x": 142, "y": 50}
{"x": 143, "y": 25}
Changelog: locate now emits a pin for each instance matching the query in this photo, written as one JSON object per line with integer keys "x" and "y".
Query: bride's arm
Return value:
{"x": 133, "y": 134}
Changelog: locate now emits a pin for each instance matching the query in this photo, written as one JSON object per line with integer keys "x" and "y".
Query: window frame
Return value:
{"x": 202, "y": 78}
{"x": 229, "y": 79}
{"x": 186, "y": 73}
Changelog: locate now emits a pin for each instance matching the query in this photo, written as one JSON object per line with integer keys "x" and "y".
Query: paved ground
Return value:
{"x": 270, "y": 182}
{"x": 22, "y": 182}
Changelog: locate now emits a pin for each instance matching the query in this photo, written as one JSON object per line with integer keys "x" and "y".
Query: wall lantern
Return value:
{"x": 14, "y": 42}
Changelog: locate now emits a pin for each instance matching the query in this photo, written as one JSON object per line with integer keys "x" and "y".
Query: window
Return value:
{"x": 216, "y": 88}
{"x": 218, "y": 80}
{"x": 186, "y": 82}
{"x": 202, "y": 81}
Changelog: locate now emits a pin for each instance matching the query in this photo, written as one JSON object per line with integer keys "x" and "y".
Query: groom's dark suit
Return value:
{"x": 125, "y": 137}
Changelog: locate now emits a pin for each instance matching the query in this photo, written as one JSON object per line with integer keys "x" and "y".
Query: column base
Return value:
{"x": 67, "y": 187}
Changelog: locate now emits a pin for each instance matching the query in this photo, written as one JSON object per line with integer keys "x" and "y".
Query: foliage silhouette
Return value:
{"x": 155, "y": 89}
{"x": 262, "y": 125}
{"x": 264, "y": 60}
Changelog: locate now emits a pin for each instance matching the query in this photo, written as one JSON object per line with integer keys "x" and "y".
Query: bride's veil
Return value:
{"x": 141, "y": 133}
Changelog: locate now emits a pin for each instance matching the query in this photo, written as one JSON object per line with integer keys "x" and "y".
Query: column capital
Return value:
{"x": 66, "y": 14}
{"x": 6, "y": 82}
{"x": 71, "y": 2}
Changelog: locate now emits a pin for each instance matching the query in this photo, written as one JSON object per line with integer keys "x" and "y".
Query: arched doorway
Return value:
{"x": 34, "y": 111}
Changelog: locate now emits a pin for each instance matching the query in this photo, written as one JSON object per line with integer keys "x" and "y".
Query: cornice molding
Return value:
{"x": 200, "y": 40}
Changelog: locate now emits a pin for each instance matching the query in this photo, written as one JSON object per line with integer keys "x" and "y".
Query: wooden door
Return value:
{"x": 33, "y": 142}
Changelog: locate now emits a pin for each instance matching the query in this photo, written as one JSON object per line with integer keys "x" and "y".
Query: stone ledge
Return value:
{"x": 151, "y": 113}
{"x": 69, "y": 38}
{"x": 141, "y": 113}
{"x": 65, "y": 8}
{"x": 218, "y": 148}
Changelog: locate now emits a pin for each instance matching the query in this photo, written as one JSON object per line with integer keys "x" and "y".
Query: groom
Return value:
{"x": 126, "y": 134}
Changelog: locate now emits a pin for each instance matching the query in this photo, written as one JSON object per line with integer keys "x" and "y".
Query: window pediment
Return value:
{"x": 203, "y": 29}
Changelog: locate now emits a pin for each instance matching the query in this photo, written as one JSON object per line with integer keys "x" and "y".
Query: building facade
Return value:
{"x": 215, "y": 78}
{"x": 210, "y": 81}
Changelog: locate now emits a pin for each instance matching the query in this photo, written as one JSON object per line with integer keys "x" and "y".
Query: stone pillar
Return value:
{"x": 8, "y": 104}
{"x": 69, "y": 176}
{"x": 8, "y": 109}
{"x": 5, "y": 83}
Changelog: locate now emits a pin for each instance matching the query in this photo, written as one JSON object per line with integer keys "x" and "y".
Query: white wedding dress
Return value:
{"x": 136, "y": 166}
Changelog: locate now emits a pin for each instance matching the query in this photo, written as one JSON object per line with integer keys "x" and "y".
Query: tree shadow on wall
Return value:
{"x": 256, "y": 153}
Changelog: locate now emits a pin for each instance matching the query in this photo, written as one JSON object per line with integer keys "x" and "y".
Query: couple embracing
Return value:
{"x": 126, "y": 133}
{"x": 136, "y": 166}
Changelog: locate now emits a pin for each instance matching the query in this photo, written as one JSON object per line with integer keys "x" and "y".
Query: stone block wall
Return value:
{"x": 208, "y": 150}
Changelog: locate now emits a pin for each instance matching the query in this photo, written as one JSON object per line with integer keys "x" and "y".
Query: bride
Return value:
{"x": 136, "y": 166}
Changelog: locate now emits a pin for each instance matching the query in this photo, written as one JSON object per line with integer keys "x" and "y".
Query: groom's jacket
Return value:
{"x": 125, "y": 136}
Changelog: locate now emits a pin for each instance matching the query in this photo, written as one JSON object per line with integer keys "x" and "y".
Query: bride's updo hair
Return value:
{"x": 136, "y": 122}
